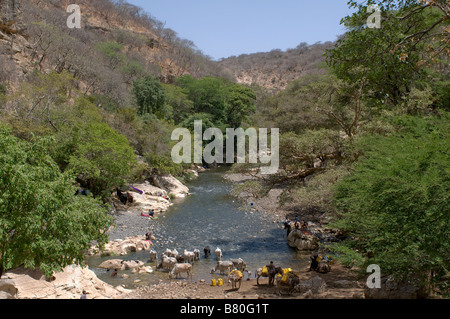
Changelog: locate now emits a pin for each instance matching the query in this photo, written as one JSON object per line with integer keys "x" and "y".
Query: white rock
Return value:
{"x": 172, "y": 185}
{"x": 111, "y": 264}
{"x": 68, "y": 284}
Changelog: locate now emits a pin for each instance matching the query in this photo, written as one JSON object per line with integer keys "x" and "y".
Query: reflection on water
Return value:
{"x": 211, "y": 217}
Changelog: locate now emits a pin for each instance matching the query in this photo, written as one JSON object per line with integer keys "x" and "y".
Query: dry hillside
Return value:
{"x": 117, "y": 43}
{"x": 275, "y": 69}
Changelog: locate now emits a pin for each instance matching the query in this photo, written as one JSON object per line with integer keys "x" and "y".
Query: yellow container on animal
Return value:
{"x": 220, "y": 281}
{"x": 286, "y": 271}
{"x": 213, "y": 282}
{"x": 265, "y": 271}
{"x": 285, "y": 274}
{"x": 237, "y": 272}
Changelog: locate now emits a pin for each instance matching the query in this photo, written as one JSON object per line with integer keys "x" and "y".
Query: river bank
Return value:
{"x": 263, "y": 239}
{"x": 341, "y": 282}
{"x": 316, "y": 220}
{"x": 70, "y": 283}
{"x": 338, "y": 284}
{"x": 209, "y": 216}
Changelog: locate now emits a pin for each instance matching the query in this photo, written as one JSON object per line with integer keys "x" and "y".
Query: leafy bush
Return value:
{"x": 394, "y": 204}
{"x": 163, "y": 164}
{"x": 43, "y": 225}
{"x": 150, "y": 96}
{"x": 100, "y": 157}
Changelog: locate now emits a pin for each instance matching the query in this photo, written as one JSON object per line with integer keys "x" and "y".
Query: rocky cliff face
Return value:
{"x": 34, "y": 35}
{"x": 275, "y": 69}
{"x": 14, "y": 46}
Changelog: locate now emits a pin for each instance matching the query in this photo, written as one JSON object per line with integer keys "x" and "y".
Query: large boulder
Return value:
{"x": 127, "y": 248}
{"x": 122, "y": 247}
{"x": 302, "y": 241}
{"x": 119, "y": 264}
{"x": 68, "y": 284}
{"x": 173, "y": 186}
{"x": 8, "y": 290}
{"x": 133, "y": 264}
{"x": 112, "y": 264}
{"x": 147, "y": 197}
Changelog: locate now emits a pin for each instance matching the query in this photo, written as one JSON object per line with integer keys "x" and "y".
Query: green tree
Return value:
{"x": 208, "y": 94}
{"x": 240, "y": 105}
{"x": 394, "y": 204}
{"x": 100, "y": 157}
{"x": 113, "y": 52}
{"x": 150, "y": 96}
{"x": 38, "y": 106}
{"x": 179, "y": 103}
{"x": 394, "y": 57}
{"x": 42, "y": 224}
{"x": 229, "y": 104}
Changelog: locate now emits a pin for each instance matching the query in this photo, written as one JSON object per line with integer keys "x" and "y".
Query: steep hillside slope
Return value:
{"x": 275, "y": 69}
{"x": 117, "y": 43}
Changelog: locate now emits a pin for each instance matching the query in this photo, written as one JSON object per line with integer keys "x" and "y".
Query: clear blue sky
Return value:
{"x": 223, "y": 28}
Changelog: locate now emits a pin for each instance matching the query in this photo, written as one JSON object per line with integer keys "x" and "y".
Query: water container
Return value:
{"x": 213, "y": 282}
{"x": 265, "y": 271}
{"x": 220, "y": 280}
{"x": 286, "y": 271}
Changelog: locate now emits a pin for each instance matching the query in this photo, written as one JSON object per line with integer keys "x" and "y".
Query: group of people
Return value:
{"x": 124, "y": 197}
{"x": 298, "y": 224}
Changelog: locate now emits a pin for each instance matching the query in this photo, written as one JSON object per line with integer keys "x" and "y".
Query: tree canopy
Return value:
{"x": 394, "y": 204}
{"x": 394, "y": 58}
{"x": 150, "y": 96}
{"x": 229, "y": 104}
{"x": 42, "y": 223}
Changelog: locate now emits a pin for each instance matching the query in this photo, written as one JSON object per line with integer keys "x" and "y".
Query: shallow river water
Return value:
{"x": 210, "y": 216}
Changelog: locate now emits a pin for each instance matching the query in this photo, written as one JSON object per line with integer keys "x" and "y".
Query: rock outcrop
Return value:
{"x": 147, "y": 197}
{"x": 133, "y": 265}
{"x": 173, "y": 186}
{"x": 8, "y": 289}
{"x": 302, "y": 240}
{"x": 69, "y": 284}
{"x": 15, "y": 49}
{"x": 120, "y": 247}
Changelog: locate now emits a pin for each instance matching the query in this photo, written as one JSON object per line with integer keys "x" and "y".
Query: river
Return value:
{"x": 210, "y": 216}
